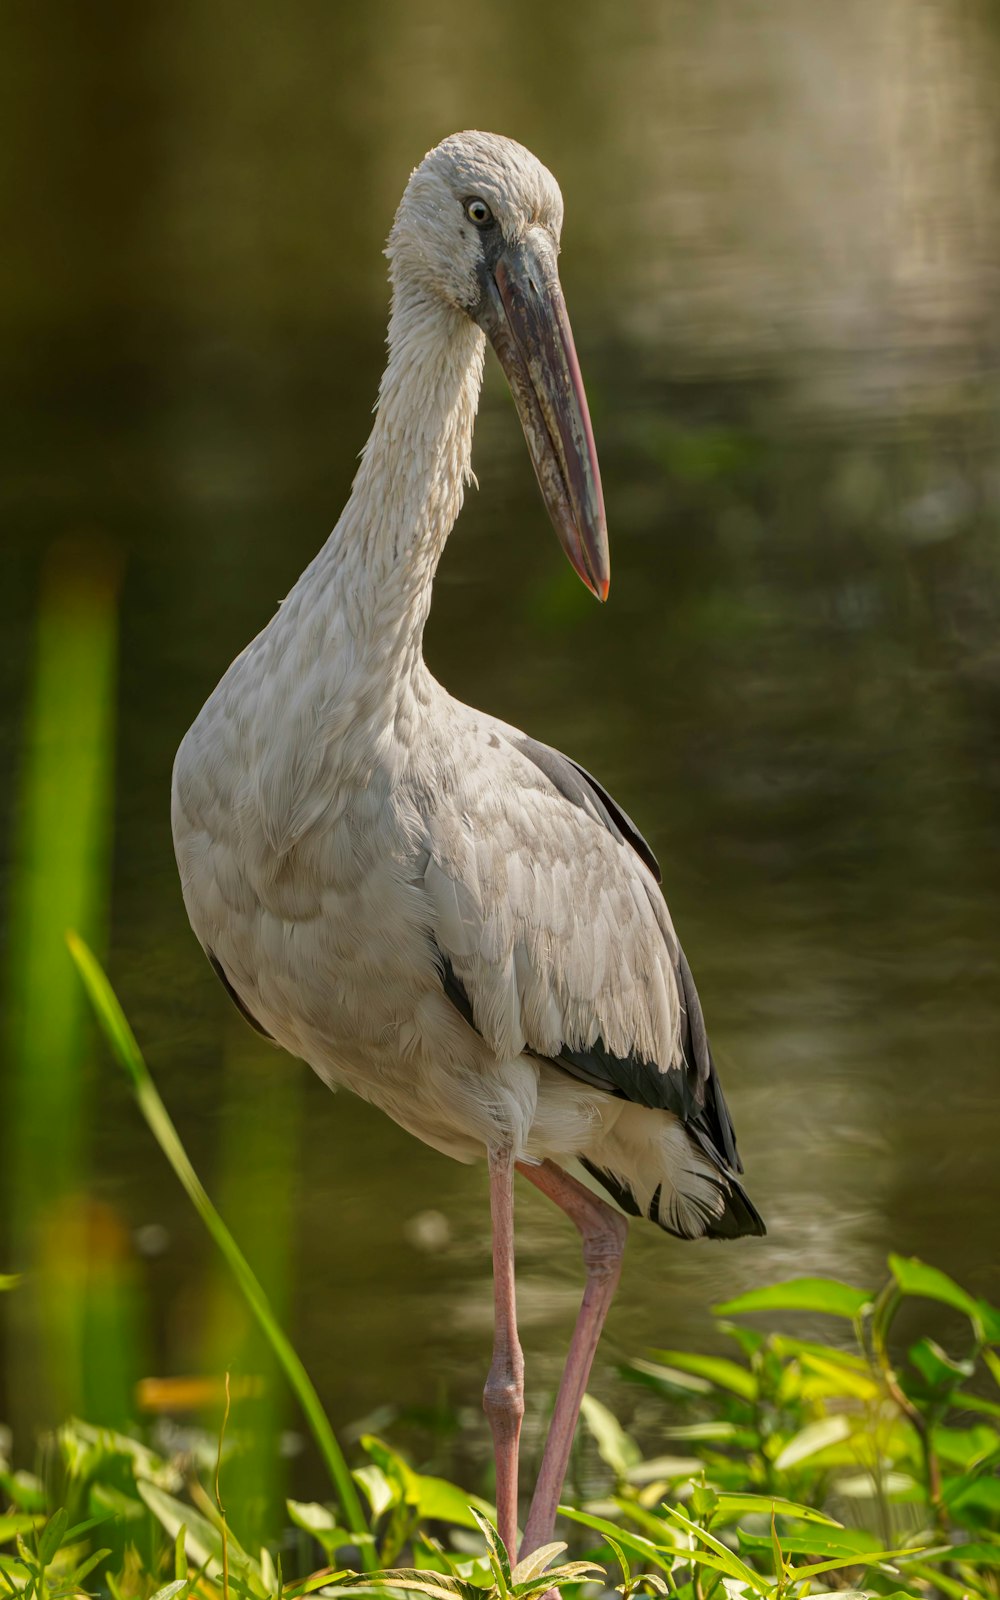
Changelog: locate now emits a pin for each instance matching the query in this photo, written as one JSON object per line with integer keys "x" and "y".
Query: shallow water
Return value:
{"x": 780, "y": 260}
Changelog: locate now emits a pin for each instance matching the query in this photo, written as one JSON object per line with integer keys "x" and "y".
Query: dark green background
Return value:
{"x": 782, "y": 261}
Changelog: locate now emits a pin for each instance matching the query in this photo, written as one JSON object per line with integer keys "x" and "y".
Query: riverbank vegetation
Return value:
{"x": 793, "y": 1467}
{"x": 849, "y": 1442}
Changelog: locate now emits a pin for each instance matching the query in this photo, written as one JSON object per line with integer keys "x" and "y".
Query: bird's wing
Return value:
{"x": 554, "y": 937}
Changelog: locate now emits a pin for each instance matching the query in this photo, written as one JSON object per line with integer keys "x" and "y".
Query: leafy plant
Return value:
{"x": 169, "y": 1537}
{"x": 809, "y": 1464}
{"x": 793, "y": 1438}
{"x": 798, "y": 1463}
{"x": 53, "y": 1559}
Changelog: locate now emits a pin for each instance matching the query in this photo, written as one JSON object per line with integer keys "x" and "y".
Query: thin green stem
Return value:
{"x": 886, "y": 1306}
{"x": 124, "y": 1046}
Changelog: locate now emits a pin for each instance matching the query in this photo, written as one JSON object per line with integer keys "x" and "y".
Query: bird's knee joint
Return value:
{"x": 604, "y": 1247}
{"x": 504, "y": 1397}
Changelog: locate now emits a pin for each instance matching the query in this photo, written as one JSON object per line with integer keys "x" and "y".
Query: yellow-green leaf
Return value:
{"x": 801, "y": 1294}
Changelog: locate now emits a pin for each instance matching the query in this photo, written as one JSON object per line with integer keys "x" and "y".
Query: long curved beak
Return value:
{"x": 523, "y": 313}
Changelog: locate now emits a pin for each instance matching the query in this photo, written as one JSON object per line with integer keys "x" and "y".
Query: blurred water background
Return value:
{"x": 781, "y": 260}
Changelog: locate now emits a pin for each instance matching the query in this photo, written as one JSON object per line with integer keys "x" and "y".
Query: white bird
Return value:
{"x": 431, "y": 909}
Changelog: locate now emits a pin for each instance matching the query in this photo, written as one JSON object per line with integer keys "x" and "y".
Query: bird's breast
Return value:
{"x": 310, "y": 894}
{"x": 343, "y": 949}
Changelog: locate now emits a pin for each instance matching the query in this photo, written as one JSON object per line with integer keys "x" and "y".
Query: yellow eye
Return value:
{"x": 478, "y": 212}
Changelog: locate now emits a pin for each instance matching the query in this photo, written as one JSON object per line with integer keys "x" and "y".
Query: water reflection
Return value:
{"x": 780, "y": 257}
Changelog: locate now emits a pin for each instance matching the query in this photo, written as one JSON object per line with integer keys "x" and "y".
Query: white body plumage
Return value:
{"x": 346, "y": 830}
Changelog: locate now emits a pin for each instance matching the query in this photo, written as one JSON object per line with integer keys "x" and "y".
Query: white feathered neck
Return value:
{"x": 368, "y": 591}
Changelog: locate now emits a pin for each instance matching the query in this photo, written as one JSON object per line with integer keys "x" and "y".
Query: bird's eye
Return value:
{"x": 478, "y": 212}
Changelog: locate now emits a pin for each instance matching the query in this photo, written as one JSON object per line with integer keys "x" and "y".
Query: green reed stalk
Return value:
{"x": 123, "y": 1043}
{"x": 64, "y": 1243}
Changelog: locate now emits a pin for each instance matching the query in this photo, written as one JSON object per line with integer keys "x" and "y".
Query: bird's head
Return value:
{"x": 478, "y": 227}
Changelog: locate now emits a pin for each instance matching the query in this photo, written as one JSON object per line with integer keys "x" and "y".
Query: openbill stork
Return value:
{"x": 429, "y": 907}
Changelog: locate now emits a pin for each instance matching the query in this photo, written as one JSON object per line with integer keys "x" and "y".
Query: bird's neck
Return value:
{"x": 372, "y": 580}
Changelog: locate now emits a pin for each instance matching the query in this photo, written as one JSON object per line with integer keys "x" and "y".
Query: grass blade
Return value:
{"x": 497, "y": 1551}
{"x": 659, "y": 1555}
{"x": 722, "y": 1558}
{"x": 123, "y": 1043}
{"x": 729, "y": 1506}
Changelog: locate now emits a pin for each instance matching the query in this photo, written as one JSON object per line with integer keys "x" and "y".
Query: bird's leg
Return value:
{"x": 503, "y": 1397}
{"x": 603, "y": 1232}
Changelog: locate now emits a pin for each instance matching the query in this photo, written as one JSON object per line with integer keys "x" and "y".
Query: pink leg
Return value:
{"x": 604, "y": 1232}
{"x": 503, "y": 1397}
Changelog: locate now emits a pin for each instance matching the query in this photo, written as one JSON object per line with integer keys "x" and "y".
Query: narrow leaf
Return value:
{"x": 930, "y": 1283}
{"x": 88, "y": 1566}
{"x": 614, "y": 1446}
{"x": 935, "y": 1579}
{"x": 499, "y": 1559}
{"x": 620, "y": 1557}
{"x": 871, "y": 1559}
{"x": 52, "y": 1535}
{"x": 704, "y": 1500}
{"x": 380, "y": 1492}
{"x": 413, "y": 1582}
{"x": 936, "y": 1366}
{"x": 671, "y": 1469}
{"x": 974, "y": 1402}
{"x": 717, "y": 1563}
{"x": 839, "y": 1376}
{"x": 777, "y": 1554}
{"x": 764, "y": 1504}
{"x": 440, "y": 1586}
{"x": 79, "y": 1528}
{"x": 202, "y": 1539}
{"x": 980, "y": 1555}
{"x": 669, "y": 1378}
{"x": 536, "y": 1562}
{"x": 800, "y": 1294}
{"x": 557, "y": 1577}
{"x": 725, "y": 1374}
{"x": 18, "y": 1522}
{"x": 809, "y": 1542}
{"x": 311, "y": 1516}
{"x": 844, "y": 1594}
{"x": 441, "y": 1501}
{"x": 731, "y": 1564}
{"x": 323, "y": 1579}
{"x": 663, "y": 1556}
{"x": 814, "y": 1437}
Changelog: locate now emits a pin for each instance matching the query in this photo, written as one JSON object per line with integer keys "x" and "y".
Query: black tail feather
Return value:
{"x": 739, "y": 1219}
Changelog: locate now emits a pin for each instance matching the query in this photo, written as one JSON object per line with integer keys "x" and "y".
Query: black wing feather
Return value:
{"x": 642, "y": 1082}
{"x": 691, "y": 1090}
{"x": 242, "y": 1008}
